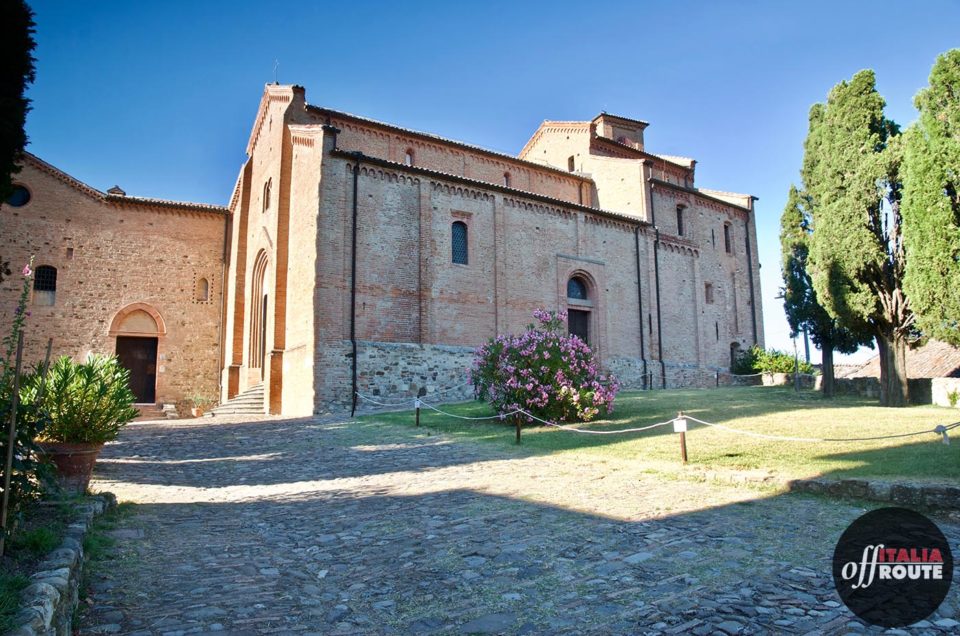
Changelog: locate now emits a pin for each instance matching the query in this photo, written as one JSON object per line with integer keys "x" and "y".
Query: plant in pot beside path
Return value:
{"x": 200, "y": 404}
{"x": 87, "y": 403}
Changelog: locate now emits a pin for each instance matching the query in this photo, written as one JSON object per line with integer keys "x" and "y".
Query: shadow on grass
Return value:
{"x": 772, "y": 410}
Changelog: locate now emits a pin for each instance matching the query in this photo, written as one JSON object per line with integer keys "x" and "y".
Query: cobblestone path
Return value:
{"x": 296, "y": 526}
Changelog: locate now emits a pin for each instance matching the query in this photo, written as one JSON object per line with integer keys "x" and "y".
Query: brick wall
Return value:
{"x": 412, "y": 302}
{"x": 108, "y": 256}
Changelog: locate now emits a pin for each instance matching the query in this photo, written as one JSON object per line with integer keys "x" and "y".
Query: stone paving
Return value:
{"x": 300, "y": 526}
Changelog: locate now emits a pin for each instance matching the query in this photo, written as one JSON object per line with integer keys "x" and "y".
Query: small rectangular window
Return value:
{"x": 570, "y": 164}
{"x": 679, "y": 220}
{"x": 708, "y": 293}
{"x": 727, "y": 239}
{"x": 579, "y": 322}
{"x": 458, "y": 235}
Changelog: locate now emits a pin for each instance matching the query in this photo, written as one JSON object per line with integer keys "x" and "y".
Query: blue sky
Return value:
{"x": 160, "y": 97}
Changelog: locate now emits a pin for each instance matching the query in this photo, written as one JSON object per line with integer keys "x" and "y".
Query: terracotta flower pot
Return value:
{"x": 196, "y": 411}
{"x": 74, "y": 463}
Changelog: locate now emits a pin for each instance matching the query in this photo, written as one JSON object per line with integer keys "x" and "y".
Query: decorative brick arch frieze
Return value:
{"x": 460, "y": 191}
{"x": 116, "y": 325}
{"x": 678, "y": 248}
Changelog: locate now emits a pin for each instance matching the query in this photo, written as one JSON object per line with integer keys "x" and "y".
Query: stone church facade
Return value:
{"x": 455, "y": 244}
{"x": 358, "y": 256}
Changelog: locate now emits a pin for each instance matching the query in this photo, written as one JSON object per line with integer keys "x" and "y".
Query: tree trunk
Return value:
{"x": 826, "y": 370}
{"x": 894, "y": 390}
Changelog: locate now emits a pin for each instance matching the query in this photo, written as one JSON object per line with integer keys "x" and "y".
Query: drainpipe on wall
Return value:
{"x": 636, "y": 244}
{"x": 753, "y": 304}
{"x": 656, "y": 277}
{"x": 353, "y": 287}
{"x": 224, "y": 264}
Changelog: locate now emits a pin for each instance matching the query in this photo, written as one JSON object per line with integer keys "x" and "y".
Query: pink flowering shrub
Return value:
{"x": 544, "y": 371}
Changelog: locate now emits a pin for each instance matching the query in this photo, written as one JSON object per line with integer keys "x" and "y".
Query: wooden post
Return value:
{"x": 680, "y": 426}
{"x": 420, "y": 394}
{"x": 11, "y": 442}
{"x": 516, "y": 419}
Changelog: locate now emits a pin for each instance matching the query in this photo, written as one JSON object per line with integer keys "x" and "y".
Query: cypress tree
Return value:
{"x": 804, "y": 311}
{"x": 851, "y": 174}
{"x": 931, "y": 203}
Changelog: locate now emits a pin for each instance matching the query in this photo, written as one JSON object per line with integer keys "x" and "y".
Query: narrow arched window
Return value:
{"x": 727, "y": 239}
{"x": 506, "y": 179}
{"x": 570, "y": 164}
{"x": 458, "y": 233}
{"x": 45, "y": 285}
{"x": 578, "y": 320}
{"x": 408, "y": 157}
{"x": 679, "y": 220}
{"x": 267, "y": 187}
{"x": 577, "y": 289}
{"x": 203, "y": 290}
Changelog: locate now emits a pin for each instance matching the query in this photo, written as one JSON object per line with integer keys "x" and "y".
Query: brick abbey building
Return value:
{"x": 355, "y": 253}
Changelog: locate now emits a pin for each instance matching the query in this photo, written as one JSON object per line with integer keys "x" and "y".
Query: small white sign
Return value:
{"x": 680, "y": 425}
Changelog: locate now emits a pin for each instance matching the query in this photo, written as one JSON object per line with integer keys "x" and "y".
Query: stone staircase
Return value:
{"x": 149, "y": 412}
{"x": 250, "y": 402}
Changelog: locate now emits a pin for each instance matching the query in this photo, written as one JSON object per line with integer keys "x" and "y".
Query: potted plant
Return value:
{"x": 86, "y": 404}
{"x": 200, "y": 403}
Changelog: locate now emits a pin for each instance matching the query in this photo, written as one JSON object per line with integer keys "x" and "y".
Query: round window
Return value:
{"x": 19, "y": 197}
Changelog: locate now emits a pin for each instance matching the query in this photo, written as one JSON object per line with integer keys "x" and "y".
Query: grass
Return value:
{"x": 10, "y": 587}
{"x": 38, "y": 541}
{"x": 768, "y": 410}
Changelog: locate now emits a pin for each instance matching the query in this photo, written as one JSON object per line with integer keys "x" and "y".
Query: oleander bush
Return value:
{"x": 544, "y": 371}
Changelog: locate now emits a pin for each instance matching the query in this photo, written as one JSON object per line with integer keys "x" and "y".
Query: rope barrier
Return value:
{"x": 567, "y": 427}
{"x": 940, "y": 429}
{"x": 398, "y": 400}
{"x": 501, "y": 416}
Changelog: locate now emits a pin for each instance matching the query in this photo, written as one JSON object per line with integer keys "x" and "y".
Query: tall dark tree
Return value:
{"x": 931, "y": 203}
{"x": 804, "y": 311}
{"x": 16, "y": 73}
{"x": 851, "y": 174}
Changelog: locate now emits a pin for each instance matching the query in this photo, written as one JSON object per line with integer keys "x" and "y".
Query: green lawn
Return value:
{"x": 769, "y": 410}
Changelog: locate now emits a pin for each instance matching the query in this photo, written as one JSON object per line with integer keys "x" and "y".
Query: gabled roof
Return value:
{"x": 92, "y": 192}
{"x": 933, "y": 360}
{"x": 329, "y": 112}
{"x": 629, "y": 120}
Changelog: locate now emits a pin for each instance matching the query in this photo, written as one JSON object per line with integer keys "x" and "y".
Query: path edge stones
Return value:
{"x": 49, "y": 602}
{"x": 932, "y": 496}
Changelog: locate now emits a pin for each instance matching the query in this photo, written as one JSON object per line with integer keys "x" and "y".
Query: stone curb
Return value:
{"x": 49, "y": 601}
{"x": 936, "y": 496}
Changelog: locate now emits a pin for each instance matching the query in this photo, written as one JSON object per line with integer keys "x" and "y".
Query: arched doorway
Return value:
{"x": 138, "y": 329}
{"x": 257, "y": 348}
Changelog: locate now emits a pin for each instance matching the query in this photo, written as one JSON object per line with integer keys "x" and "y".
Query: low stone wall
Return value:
{"x": 401, "y": 370}
{"x": 942, "y": 389}
{"x": 920, "y": 388}
{"x": 50, "y": 600}
{"x": 940, "y": 497}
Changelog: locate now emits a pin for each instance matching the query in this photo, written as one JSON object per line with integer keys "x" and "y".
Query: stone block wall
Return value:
{"x": 109, "y": 255}
{"x": 942, "y": 389}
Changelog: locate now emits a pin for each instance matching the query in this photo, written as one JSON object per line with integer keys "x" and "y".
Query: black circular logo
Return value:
{"x": 892, "y": 567}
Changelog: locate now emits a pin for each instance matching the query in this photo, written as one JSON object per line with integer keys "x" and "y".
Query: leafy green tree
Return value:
{"x": 931, "y": 203}
{"x": 856, "y": 261}
{"x": 804, "y": 311}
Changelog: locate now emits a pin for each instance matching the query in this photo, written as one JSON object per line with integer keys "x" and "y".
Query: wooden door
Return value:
{"x": 139, "y": 356}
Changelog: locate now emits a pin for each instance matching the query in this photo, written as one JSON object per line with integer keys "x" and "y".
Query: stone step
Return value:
{"x": 249, "y": 402}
